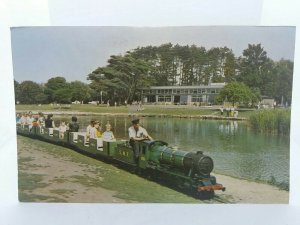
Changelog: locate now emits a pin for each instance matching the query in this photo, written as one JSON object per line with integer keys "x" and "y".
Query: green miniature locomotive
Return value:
{"x": 186, "y": 170}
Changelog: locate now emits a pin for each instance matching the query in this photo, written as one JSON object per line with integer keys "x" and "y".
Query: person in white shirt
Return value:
{"x": 136, "y": 134}
{"x": 95, "y": 131}
{"x": 62, "y": 129}
{"x": 88, "y": 130}
{"x": 23, "y": 119}
{"x": 41, "y": 119}
{"x": 108, "y": 134}
{"x": 29, "y": 120}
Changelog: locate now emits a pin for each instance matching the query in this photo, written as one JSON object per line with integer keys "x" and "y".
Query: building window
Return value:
{"x": 193, "y": 91}
{"x": 168, "y": 98}
{"x": 196, "y": 98}
{"x": 162, "y": 98}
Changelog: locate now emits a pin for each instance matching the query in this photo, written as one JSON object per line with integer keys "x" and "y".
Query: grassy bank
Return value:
{"x": 275, "y": 121}
{"x": 148, "y": 110}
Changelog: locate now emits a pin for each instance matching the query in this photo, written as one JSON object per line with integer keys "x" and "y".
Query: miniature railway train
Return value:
{"x": 189, "y": 171}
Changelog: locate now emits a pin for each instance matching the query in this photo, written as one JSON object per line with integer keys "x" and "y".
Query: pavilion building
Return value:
{"x": 182, "y": 95}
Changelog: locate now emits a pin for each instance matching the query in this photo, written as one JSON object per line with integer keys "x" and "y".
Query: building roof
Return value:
{"x": 212, "y": 85}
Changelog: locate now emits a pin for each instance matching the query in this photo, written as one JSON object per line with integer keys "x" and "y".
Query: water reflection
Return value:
{"x": 231, "y": 127}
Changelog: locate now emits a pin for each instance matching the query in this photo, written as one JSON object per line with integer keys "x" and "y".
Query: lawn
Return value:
{"x": 148, "y": 110}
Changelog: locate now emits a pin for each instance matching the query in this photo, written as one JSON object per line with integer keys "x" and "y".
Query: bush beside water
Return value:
{"x": 275, "y": 121}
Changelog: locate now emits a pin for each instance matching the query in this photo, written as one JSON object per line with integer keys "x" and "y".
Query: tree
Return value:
{"x": 162, "y": 61}
{"x": 80, "y": 91}
{"x": 54, "y": 84}
{"x": 121, "y": 79}
{"x": 30, "y": 92}
{"x": 237, "y": 92}
{"x": 230, "y": 67}
{"x": 283, "y": 81}
{"x": 17, "y": 91}
{"x": 255, "y": 68}
{"x": 62, "y": 95}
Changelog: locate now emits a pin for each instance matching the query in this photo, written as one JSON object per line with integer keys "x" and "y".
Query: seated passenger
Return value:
{"x": 88, "y": 130}
{"x": 96, "y": 130}
{"x": 29, "y": 120}
{"x": 41, "y": 119}
{"x": 18, "y": 118}
{"x": 23, "y": 119}
{"x": 62, "y": 129}
{"x": 108, "y": 134}
{"x": 49, "y": 123}
{"x": 35, "y": 122}
{"x": 74, "y": 126}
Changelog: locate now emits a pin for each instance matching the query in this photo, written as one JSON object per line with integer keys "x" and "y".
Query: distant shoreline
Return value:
{"x": 203, "y": 117}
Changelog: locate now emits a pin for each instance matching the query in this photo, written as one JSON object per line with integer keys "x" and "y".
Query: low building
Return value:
{"x": 94, "y": 102}
{"x": 267, "y": 102}
{"x": 182, "y": 95}
{"x": 76, "y": 102}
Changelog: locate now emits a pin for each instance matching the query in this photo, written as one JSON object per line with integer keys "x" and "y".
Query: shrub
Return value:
{"x": 275, "y": 121}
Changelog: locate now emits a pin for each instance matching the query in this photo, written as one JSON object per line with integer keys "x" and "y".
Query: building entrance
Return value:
{"x": 177, "y": 99}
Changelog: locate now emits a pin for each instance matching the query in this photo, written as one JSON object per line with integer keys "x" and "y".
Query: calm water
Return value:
{"x": 236, "y": 150}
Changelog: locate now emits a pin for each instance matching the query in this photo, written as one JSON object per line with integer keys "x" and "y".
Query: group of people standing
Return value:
{"x": 230, "y": 112}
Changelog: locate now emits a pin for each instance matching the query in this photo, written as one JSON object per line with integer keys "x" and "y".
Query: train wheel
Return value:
{"x": 205, "y": 195}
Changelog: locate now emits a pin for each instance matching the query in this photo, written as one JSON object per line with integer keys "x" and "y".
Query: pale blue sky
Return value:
{"x": 40, "y": 53}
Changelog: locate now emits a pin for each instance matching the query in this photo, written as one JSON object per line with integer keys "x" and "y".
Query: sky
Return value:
{"x": 40, "y": 53}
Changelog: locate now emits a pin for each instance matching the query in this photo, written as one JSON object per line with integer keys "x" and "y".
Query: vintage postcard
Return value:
{"x": 196, "y": 114}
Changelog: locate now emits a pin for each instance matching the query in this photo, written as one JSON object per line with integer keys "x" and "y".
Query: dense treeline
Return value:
{"x": 187, "y": 65}
{"x": 191, "y": 65}
{"x": 56, "y": 89}
{"x": 123, "y": 76}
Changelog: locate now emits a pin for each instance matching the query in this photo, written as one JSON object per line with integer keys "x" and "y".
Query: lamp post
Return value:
{"x": 101, "y": 97}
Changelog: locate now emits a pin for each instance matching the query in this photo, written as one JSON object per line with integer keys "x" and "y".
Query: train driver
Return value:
{"x": 136, "y": 134}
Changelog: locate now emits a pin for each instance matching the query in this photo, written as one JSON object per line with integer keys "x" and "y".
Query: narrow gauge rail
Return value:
{"x": 188, "y": 171}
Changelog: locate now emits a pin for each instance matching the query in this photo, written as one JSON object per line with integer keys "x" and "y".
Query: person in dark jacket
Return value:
{"x": 49, "y": 123}
{"x": 73, "y": 126}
